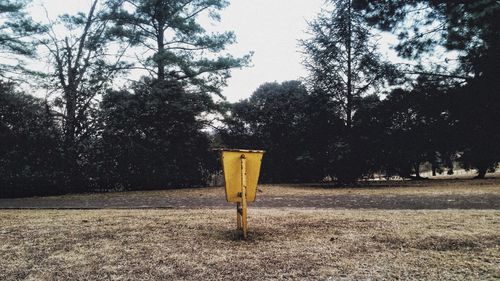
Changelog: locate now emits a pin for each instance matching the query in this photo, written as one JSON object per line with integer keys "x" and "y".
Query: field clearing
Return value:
{"x": 426, "y": 187}
{"x": 429, "y": 194}
{"x": 297, "y": 244}
{"x": 425, "y": 230}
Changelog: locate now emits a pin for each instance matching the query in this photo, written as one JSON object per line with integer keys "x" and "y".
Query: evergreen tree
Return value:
{"x": 174, "y": 45}
{"x": 275, "y": 119}
{"x": 471, "y": 29}
{"x": 342, "y": 58}
{"x": 30, "y": 158}
{"x": 344, "y": 66}
{"x": 186, "y": 65}
{"x": 151, "y": 138}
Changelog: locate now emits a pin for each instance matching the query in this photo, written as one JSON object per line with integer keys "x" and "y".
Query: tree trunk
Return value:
{"x": 481, "y": 171}
{"x": 70, "y": 128}
{"x": 349, "y": 72}
{"x": 70, "y": 151}
{"x": 160, "y": 40}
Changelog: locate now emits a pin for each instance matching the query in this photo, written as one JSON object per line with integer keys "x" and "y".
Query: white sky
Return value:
{"x": 269, "y": 28}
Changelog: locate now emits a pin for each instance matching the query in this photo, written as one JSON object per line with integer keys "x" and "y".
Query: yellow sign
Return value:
{"x": 241, "y": 174}
{"x": 231, "y": 161}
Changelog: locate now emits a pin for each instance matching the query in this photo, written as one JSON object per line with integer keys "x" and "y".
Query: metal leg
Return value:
{"x": 244, "y": 216}
{"x": 244, "y": 195}
{"x": 238, "y": 215}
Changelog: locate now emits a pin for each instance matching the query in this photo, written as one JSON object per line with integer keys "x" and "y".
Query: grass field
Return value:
{"x": 284, "y": 243}
{"x": 431, "y": 187}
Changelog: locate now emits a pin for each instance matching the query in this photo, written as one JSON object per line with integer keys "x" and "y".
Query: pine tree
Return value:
{"x": 471, "y": 30}
{"x": 173, "y": 44}
{"x": 344, "y": 66}
{"x": 342, "y": 58}
{"x": 15, "y": 29}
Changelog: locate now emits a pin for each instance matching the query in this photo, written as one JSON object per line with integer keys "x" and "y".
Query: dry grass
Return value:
{"x": 422, "y": 188}
{"x": 284, "y": 244}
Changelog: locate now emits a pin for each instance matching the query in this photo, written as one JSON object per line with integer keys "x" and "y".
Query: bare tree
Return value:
{"x": 84, "y": 64}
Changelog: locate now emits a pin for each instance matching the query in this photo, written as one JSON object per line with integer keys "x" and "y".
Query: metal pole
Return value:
{"x": 238, "y": 215}
{"x": 244, "y": 195}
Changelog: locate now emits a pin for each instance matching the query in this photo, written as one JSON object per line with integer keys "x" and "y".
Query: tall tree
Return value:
{"x": 187, "y": 64}
{"x": 176, "y": 46}
{"x": 470, "y": 29}
{"x": 82, "y": 70}
{"x": 344, "y": 66}
{"x": 342, "y": 57}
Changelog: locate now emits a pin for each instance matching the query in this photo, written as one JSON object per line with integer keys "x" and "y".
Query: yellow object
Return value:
{"x": 231, "y": 161}
{"x": 241, "y": 174}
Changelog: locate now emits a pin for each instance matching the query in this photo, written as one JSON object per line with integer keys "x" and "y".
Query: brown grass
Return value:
{"x": 284, "y": 244}
{"x": 383, "y": 188}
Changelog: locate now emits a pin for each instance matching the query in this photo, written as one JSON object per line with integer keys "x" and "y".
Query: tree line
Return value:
{"x": 355, "y": 115}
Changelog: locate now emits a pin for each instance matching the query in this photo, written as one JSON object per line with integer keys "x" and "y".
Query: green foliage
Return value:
{"x": 344, "y": 66}
{"x": 407, "y": 138}
{"x": 472, "y": 29}
{"x": 324, "y": 134}
{"x": 176, "y": 45}
{"x": 475, "y": 109}
{"x": 151, "y": 138}
{"x": 274, "y": 119}
{"x": 29, "y": 152}
{"x": 465, "y": 26}
{"x": 343, "y": 59}
{"x": 15, "y": 29}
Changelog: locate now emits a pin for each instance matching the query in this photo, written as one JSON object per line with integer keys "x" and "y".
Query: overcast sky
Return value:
{"x": 269, "y": 28}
